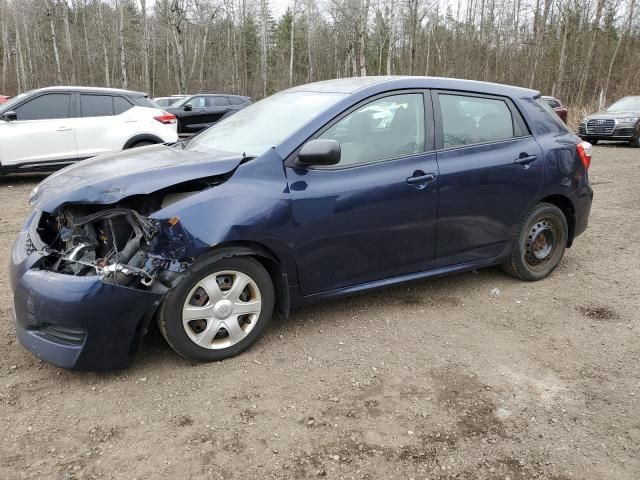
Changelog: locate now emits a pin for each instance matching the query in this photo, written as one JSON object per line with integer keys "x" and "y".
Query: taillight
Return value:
{"x": 166, "y": 118}
{"x": 584, "y": 151}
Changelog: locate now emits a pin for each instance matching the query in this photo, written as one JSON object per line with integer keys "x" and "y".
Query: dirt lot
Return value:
{"x": 437, "y": 379}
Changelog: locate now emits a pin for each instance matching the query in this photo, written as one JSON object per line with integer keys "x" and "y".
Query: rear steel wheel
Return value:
{"x": 539, "y": 243}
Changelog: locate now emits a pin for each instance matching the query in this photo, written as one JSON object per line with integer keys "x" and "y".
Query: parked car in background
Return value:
{"x": 4, "y": 99}
{"x": 165, "y": 102}
{"x": 197, "y": 112}
{"x": 557, "y": 107}
{"x": 620, "y": 122}
{"x": 55, "y": 126}
{"x": 320, "y": 191}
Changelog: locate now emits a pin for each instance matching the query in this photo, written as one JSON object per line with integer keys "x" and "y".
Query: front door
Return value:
{"x": 490, "y": 172}
{"x": 43, "y": 132}
{"x": 372, "y": 216}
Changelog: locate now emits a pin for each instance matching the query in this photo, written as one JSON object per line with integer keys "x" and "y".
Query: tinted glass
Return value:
{"x": 52, "y": 105}
{"x": 197, "y": 102}
{"x": 96, "y": 105}
{"x": 217, "y": 102}
{"x": 121, "y": 105}
{"x": 387, "y": 128}
{"x": 469, "y": 120}
{"x": 236, "y": 100}
{"x": 264, "y": 124}
{"x": 553, "y": 103}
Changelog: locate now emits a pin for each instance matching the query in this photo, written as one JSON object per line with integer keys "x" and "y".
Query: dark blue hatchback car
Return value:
{"x": 316, "y": 192}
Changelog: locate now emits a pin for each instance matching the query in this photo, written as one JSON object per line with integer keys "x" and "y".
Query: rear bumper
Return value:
{"x": 73, "y": 322}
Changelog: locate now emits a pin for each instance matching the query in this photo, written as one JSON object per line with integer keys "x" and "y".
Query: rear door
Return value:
{"x": 100, "y": 129}
{"x": 217, "y": 107}
{"x": 43, "y": 132}
{"x": 491, "y": 170}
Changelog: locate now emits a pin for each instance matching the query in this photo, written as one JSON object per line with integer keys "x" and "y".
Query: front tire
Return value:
{"x": 539, "y": 243}
{"x": 218, "y": 310}
{"x": 635, "y": 143}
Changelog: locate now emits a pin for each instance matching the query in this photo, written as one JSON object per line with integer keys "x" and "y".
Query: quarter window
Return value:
{"x": 52, "y": 105}
{"x": 236, "y": 100}
{"x": 469, "y": 120}
{"x": 96, "y": 105}
{"x": 121, "y": 105}
{"x": 387, "y": 128}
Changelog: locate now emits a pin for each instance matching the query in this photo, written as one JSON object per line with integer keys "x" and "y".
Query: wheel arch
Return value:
{"x": 142, "y": 137}
{"x": 565, "y": 204}
{"x": 267, "y": 259}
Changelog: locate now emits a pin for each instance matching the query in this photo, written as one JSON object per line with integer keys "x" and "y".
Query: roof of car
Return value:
{"x": 354, "y": 84}
{"x": 91, "y": 90}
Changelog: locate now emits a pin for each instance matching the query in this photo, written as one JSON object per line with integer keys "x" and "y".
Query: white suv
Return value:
{"x": 55, "y": 126}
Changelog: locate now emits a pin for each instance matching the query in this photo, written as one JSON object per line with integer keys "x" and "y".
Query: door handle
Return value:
{"x": 421, "y": 177}
{"x": 525, "y": 159}
{"x": 63, "y": 129}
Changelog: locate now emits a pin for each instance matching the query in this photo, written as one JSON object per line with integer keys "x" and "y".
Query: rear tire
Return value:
{"x": 218, "y": 310}
{"x": 539, "y": 243}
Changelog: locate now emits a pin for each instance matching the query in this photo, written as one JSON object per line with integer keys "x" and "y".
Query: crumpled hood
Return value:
{"x": 606, "y": 114}
{"x": 110, "y": 178}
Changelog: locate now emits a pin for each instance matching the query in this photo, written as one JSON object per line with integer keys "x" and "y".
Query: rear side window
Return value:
{"x": 146, "y": 102}
{"x": 236, "y": 100}
{"x": 96, "y": 105}
{"x": 121, "y": 105}
{"x": 52, "y": 105}
{"x": 553, "y": 103}
{"x": 551, "y": 115}
{"x": 468, "y": 120}
{"x": 217, "y": 102}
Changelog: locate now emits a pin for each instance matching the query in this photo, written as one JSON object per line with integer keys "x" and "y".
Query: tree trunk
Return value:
{"x": 69, "y": 45}
{"x": 105, "y": 52}
{"x": 627, "y": 30}
{"x": 145, "y": 48}
{"x": 123, "y": 52}
{"x": 54, "y": 42}
{"x": 589, "y": 57}
{"x": 291, "y": 44}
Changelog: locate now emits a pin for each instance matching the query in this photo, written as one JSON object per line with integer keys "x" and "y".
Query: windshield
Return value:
{"x": 627, "y": 104}
{"x": 265, "y": 124}
{"x": 7, "y": 107}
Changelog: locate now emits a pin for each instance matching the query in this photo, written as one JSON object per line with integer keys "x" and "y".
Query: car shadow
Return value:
{"x": 20, "y": 178}
{"x": 439, "y": 292}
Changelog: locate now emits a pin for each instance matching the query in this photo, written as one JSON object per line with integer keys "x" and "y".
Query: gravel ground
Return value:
{"x": 431, "y": 380}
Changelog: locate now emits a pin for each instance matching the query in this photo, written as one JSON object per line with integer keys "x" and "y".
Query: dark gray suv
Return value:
{"x": 620, "y": 122}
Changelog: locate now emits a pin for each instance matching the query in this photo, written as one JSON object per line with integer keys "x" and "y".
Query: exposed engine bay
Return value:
{"x": 120, "y": 243}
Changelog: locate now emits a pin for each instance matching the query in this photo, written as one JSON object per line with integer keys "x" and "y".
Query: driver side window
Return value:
{"x": 387, "y": 128}
{"x": 197, "y": 102}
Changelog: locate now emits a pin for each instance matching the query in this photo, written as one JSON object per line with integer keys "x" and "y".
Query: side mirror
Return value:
{"x": 319, "y": 152}
{"x": 10, "y": 116}
{"x": 188, "y": 107}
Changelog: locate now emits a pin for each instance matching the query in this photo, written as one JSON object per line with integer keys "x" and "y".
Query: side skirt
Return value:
{"x": 389, "y": 282}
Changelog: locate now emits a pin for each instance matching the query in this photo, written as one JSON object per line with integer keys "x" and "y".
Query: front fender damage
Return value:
{"x": 119, "y": 243}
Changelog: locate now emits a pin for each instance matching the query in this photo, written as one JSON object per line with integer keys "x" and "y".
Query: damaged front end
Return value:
{"x": 119, "y": 245}
{"x": 88, "y": 278}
